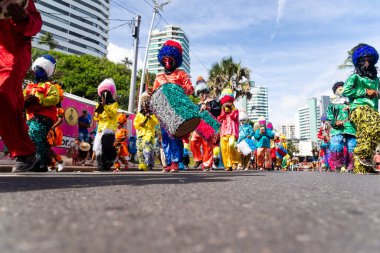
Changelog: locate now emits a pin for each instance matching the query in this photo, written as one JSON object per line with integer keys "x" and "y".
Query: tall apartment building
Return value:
{"x": 324, "y": 102}
{"x": 308, "y": 120}
{"x": 256, "y": 106}
{"x": 158, "y": 38}
{"x": 79, "y": 27}
{"x": 288, "y": 130}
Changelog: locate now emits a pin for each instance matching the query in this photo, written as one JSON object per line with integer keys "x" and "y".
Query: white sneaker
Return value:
{"x": 61, "y": 166}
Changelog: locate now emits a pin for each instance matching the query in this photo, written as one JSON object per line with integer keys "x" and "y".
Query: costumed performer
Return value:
{"x": 121, "y": 136}
{"x": 106, "y": 116}
{"x": 229, "y": 130}
{"x": 145, "y": 123}
{"x": 201, "y": 144}
{"x": 246, "y": 146}
{"x": 362, "y": 90}
{"x": 173, "y": 101}
{"x": 324, "y": 135}
{"x": 15, "y": 57}
{"x": 41, "y": 98}
{"x": 263, "y": 135}
{"x": 342, "y": 131}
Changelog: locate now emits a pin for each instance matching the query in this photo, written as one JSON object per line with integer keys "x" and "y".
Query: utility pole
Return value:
{"x": 157, "y": 7}
{"x": 132, "y": 88}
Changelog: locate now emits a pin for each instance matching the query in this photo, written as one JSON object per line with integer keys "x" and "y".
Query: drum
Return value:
{"x": 4, "y": 4}
{"x": 208, "y": 127}
{"x": 175, "y": 111}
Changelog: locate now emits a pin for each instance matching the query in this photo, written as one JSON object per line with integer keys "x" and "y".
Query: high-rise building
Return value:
{"x": 158, "y": 38}
{"x": 79, "y": 27}
{"x": 325, "y": 101}
{"x": 289, "y": 130}
{"x": 258, "y": 104}
{"x": 309, "y": 120}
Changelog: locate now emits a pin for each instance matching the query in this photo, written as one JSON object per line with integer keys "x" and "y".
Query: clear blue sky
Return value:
{"x": 291, "y": 46}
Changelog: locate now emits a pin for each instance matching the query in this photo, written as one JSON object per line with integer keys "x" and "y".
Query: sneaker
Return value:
{"x": 24, "y": 163}
{"x": 61, "y": 166}
{"x": 228, "y": 169}
{"x": 246, "y": 169}
{"x": 206, "y": 168}
{"x": 197, "y": 164}
{"x": 174, "y": 167}
{"x": 166, "y": 169}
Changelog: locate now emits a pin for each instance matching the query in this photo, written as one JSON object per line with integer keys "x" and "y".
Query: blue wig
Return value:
{"x": 364, "y": 50}
{"x": 170, "y": 51}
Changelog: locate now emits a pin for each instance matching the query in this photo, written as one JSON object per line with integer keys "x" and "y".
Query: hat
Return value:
{"x": 46, "y": 62}
{"x": 242, "y": 116}
{"x": 270, "y": 125}
{"x": 145, "y": 98}
{"x": 122, "y": 118}
{"x": 362, "y": 50}
{"x": 262, "y": 120}
{"x": 227, "y": 96}
{"x": 337, "y": 85}
{"x": 201, "y": 86}
{"x": 171, "y": 48}
{"x": 324, "y": 117}
{"x": 84, "y": 146}
{"x": 107, "y": 84}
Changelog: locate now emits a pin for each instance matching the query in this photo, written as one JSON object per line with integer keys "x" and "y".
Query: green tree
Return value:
{"x": 291, "y": 148}
{"x": 127, "y": 62}
{"x": 47, "y": 39}
{"x": 228, "y": 73}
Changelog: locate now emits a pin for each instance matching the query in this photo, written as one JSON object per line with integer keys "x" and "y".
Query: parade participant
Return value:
{"x": 41, "y": 98}
{"x": 362, "y": 90}
{"x": 342, "y": 131}
{"x": 83, "y": 125}
{"x": 201, "y": 143}
{"x": 145, "y": 123}
{"x": 106, "y": 116}
{"x": 120, "y": 142}
{"x": 229, "y": 130}
{"x": 376, "y": 159}
{"x": 246, "y": 145}
{"x": 324, "y": 135}
{"x": 263, "y": 135}
{"x": 55, "y": 135}
{"x": 15, "y": 58}
{"x": 177, "y": 114}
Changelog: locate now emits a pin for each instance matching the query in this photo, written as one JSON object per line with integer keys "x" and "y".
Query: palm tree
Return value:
{"x": 127, "y": 62}
{"x": 348, "y": 61}
{"x": 228, "y": 73}
{"x": 47, "y": 39}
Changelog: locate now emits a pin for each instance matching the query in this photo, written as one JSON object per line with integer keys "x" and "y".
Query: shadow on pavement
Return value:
{"x": 34, "y": 182}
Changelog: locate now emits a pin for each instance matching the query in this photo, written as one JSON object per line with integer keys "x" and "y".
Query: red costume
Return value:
{"x": 15, "y": 58}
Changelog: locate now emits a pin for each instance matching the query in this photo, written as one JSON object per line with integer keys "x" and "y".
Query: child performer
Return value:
{"x": 324, "y": 135}
{"x": 245, "y": 134}
{"x": 106, "y": 115}
{"x": 342, "y": 131}
{"x": 120, "y": 142}
{"x": 41, "y": 98}
{"x": 263, "y": 135}
{"x": 145, "y": 123}
{"x": 229, "y": 130}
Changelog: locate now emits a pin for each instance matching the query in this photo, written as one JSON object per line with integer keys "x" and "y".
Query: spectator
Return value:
{"x": 83, "y": 124}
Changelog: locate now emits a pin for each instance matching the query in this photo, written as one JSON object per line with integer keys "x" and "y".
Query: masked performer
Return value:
{"x": 17, "y": 30}
{"x": 201, "y": 142}
{"x": 362, "y": 89}
{"x": 342, "y": 131}
{"x": 178, "y": 116}
{"x": 41, "y": 98}
{"x": 106, "y": 115}
{"x": 263, "y": 135}
{"x": 229, "y": 130}
{"x": 145, "y": 123}
{"x": 121, "y": 136}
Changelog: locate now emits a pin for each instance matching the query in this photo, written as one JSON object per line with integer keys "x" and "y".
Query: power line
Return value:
{"x": 84, "y": 17}
{"x": 123, "y": 7}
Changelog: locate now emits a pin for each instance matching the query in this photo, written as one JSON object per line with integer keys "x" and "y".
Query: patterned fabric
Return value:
{"x": 39, "y": 126}
{"x": 145, "y": 153}
{"x": 338, "y": 158}
{"x": 367, "y": 122}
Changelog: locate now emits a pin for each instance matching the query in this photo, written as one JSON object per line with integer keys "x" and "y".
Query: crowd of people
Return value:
{"x": 169, "y": 125}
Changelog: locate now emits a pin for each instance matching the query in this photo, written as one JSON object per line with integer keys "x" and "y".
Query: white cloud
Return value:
{"x": 117, "y": 54}
{"x": 280, "y": 10}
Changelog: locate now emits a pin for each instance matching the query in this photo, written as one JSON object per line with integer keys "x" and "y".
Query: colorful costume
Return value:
{"x": 362, "y": 89}
{"x": 106, "y": 115}
{"x": 120, "y": 142}
{"x": 41, "y": 99}
{"x": 263, "y": 135}
{"x": 342, "y": 131}
{"x": 172, "y": 81}
{"x": 324, "y": 135}
{"x": 201, "y": 142}
{"x": 246, "y": 134}
{"x": 15, "y": 58}
{"x": 145, "y": 123}
{"x": 229, "y": 130}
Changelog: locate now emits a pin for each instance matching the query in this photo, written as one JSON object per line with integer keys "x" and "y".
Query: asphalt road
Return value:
{"x": 190, "y": 212}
